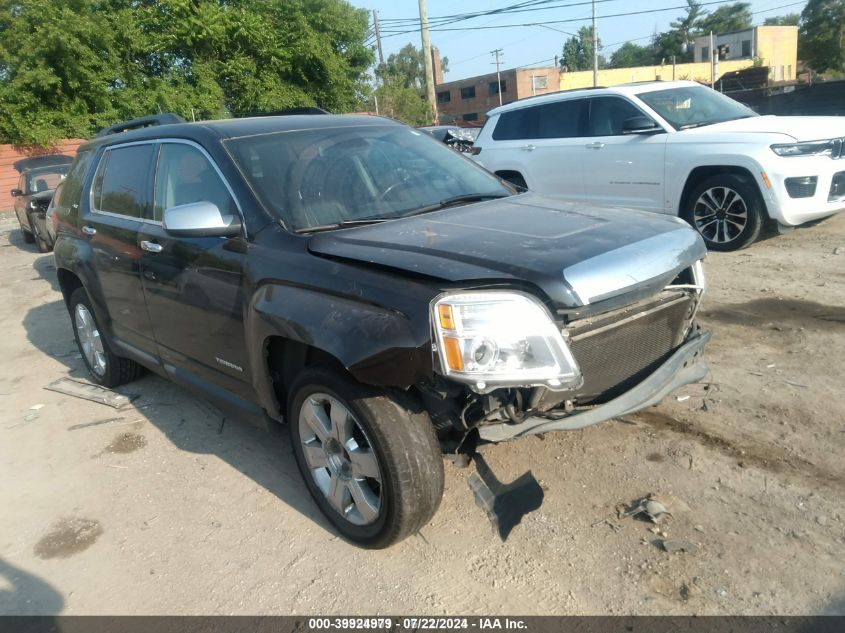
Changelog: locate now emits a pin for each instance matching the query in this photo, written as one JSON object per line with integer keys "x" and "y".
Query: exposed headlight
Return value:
{"x": 492, "y": 339}
{"x": 32, "y": 204}
{"x": 814, "y": 148}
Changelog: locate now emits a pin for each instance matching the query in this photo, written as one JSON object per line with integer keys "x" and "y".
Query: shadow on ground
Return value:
{"x": 28, "y": 595}
{"x": 190, "y": 423}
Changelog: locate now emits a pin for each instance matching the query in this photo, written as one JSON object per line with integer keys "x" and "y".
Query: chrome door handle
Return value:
{"x": 151, "y": 247}
{"x": 529, "y": 148}
{"x": 595, "y": 145}
{"x": 89, "y": 230}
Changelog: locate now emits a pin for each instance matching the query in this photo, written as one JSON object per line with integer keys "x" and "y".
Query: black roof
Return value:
{"x": 235, "y": 128}
{"x": 42, "y": 161}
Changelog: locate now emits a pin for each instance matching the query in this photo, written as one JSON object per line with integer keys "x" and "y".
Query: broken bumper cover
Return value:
{"x": 683, "y": 367}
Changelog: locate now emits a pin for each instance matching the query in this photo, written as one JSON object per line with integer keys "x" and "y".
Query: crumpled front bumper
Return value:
{"x": 685, "y": 366}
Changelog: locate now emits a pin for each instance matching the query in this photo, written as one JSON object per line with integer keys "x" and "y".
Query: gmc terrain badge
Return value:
{"x": 226, "y": 363}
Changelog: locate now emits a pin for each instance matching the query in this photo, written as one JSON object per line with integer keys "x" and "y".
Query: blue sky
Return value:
{"x": 468, "y": 51}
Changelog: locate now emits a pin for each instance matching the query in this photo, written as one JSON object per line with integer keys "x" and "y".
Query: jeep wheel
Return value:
{"x": 104, "y": 366}
{"x": 727, "y": 211}
{"x": 372, "y": 465}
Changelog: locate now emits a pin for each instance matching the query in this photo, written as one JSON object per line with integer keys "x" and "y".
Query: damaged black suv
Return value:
{"x": 384, "y": 295}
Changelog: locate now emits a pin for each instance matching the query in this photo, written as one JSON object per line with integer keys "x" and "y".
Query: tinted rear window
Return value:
{"x": 560, "y": 119}
{"x": 121, "y": 183}
{"x": 72, "y": 184}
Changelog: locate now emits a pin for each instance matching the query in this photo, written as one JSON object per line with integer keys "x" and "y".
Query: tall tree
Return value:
{"x": 407, "y": 67}
{"x": 727, "y": 18}
{"x": 821, "y": 37}
{"x": 630, "y": 55}
{"x": 577, "y": 51}
{"x": 68, "y": 68}
{"x": 790, "y": 19}
{"x": 685, "y": 28}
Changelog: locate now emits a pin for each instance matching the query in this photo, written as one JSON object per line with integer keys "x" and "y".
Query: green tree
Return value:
{"x": 407, "y": 67}
{"x": 402, "y": 103}
{"x": 821, "y": 37}
{"x": 685, "y": 29}
{"x": 630, "y": 55}
{"x": 68, "y": 68}
{"x": 790, "y": 19}
{"x": 727, "y": 18}
{"x": 577, "y": 51}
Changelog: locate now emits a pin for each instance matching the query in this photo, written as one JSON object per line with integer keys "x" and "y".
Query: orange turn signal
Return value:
{"x": 452, "y": 350}
{"x": 445, "y": 312}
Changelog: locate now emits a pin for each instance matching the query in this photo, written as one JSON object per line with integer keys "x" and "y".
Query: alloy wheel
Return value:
{"x": 720, "y": 215}
{"x": 90, "y": 340}
{"x": 341, "y": 459}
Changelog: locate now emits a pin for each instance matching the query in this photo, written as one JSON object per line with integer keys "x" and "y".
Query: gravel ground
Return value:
{"x": 160, "y": 508}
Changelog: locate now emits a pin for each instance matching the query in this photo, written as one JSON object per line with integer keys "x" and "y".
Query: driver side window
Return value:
{"x": 184, "y": 176}
{"x": 608, "y": 115}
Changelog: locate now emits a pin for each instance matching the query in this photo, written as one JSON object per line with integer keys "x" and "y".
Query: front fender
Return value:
{"x": 378, "y": 346}
{"x": 684, "y": 165}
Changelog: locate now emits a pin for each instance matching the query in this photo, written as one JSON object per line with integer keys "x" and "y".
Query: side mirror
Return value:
{"x": 640, "y": 125}
{"x": 16, "y": 193}
{"x": 200, "y": 219}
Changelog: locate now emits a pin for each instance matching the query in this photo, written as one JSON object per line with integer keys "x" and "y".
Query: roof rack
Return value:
{"x": 141, "y": 122}
{"x": 288, "y": 112}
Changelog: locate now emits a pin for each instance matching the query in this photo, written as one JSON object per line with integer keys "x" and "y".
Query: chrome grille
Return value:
{"x": 837, "y": 148}
{"x": 617, "y": 350}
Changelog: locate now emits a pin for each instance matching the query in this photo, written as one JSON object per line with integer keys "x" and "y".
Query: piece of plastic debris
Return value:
{"x": 30, "y": 417}
{"x": 796, "y": 384}
{"x": 682, "y": 398}
{"x": 649, "y": 506}
{"x": 36, "y": 407}
{"x": 672, "y": 546}
{"x": 770, "y": 366}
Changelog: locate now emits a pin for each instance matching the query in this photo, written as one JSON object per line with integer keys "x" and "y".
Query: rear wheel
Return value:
{"x": 28, "y": 237}
{"x": 104, "y": 366}
{"x": 726, "y": 210}
{"x": 39, "y": 239}
{"x": 373, "y": 466}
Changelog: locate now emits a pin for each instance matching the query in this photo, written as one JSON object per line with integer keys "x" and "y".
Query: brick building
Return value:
{"x": 467, "y": 101}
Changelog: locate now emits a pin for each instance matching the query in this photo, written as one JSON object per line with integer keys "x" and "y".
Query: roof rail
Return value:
{"x": 288, "y": 112}
{"x": 556, "y": 92}
{"x": 141, "y": 122}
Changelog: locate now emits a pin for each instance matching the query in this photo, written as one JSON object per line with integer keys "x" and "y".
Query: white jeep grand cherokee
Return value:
{"x": 672, "y": 147}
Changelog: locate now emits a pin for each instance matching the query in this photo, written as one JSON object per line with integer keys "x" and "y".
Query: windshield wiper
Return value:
{"x": 454, "y": 200}
{"x": 339, "y": 225}
{"x": 689, "y": 126}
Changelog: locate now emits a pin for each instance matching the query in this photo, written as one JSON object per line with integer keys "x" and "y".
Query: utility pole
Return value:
{"x": 429, "y": 67}
{"x": 595, "y": 49}
{"x": 498, "y": 52}
{"x": 378, "y": 38}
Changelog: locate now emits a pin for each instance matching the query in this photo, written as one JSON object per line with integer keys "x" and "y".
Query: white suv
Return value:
{"x": 672, "y": 147}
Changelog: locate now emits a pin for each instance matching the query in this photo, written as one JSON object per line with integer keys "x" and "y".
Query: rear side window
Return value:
{"x": 608, "y": 115}
{"x": 560, "y": 119}
{"x": 121, "y": 183}
{"x": 72, "y": 184}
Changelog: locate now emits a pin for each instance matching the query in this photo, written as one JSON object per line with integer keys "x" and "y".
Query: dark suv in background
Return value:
{"x": 39, "y": 177}
{"x": 383, "y": 294}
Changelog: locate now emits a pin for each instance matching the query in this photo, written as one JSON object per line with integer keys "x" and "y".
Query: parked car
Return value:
{"x": 383, "y": 294}
{"x": 457, "y": 138}
{"x": 39, "y": 177}
{"x": 677, "y": 148}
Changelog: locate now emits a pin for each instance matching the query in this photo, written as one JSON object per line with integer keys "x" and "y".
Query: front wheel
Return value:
{"x": 40, "y": 240}
{"x": 726, "y": 210}
{"x": 372, "y": 465}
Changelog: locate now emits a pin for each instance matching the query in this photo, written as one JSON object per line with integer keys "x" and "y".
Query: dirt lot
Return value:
{"x": 157, "y": 509}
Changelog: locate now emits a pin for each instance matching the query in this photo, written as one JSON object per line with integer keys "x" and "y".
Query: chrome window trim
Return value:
{"x": 158, "y": 142}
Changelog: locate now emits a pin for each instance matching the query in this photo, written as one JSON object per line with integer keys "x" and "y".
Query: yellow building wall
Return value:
{"x": 616, "y": 76}
{"x": 777, "y": 48}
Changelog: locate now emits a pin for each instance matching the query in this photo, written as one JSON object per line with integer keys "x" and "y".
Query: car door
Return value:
{"x": 193, "y": 285}
{"x": 622, "y": 169}
{"x": 120, "y": 196}
{"x": 21, "y": 201}
{"x": 544, "y": 142}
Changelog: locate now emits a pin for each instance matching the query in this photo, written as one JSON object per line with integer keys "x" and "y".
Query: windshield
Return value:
{"x": 314, "y": 178}
{"x": 694, "y": 106}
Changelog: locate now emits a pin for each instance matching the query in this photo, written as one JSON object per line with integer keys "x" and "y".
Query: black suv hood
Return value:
{"x": 576, "y": 253}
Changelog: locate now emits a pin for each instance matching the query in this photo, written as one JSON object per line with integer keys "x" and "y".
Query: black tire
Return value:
{"x": 28, "y": 237}
{"x": 116, "y": 370}
{"x": 40, "y": 241}
{"x": 409, "y": 461}
{"x": 727, "y": 210}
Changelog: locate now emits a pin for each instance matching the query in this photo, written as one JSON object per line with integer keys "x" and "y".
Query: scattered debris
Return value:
{"x": 36, "y": 407}
{"x": 795, "y": 384}
{"x": 699, "y": 528}
{"x": 649, "y": 506}
{"x": 838, "y": 250}
{"x": 682, "y": 398}
{"x": 92, "y": 392}
{"x": 613, "y": 526}
{"x": 673, "y": 546}
{"x": 85, "y": 425}
{"x": 29, "y": 417}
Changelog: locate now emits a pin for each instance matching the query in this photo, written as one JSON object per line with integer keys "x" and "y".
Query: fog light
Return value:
{"x": 802, "y": 187}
